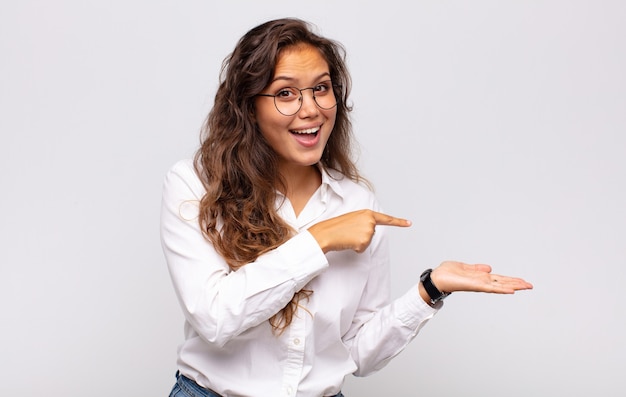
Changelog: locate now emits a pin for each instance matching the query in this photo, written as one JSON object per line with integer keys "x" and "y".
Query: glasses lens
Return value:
{"x": 287, "y": 101}
{"x": 324, "y": 95}
{"x": 326, "y": 102}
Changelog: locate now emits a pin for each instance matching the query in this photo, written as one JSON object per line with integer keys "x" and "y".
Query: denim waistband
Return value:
{"x": 193, "y": 389}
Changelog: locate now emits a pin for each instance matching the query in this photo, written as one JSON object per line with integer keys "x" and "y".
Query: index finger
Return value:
{"x": 388, "y": 220}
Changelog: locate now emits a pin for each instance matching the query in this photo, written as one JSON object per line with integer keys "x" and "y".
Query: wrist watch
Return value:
{"x": 432, "y": 291}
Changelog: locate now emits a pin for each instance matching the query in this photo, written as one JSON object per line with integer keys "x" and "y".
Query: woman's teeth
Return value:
{"x": 307, "y": 131}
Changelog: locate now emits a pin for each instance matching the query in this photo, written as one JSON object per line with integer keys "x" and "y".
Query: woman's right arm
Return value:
{"x": 219, "y": 303}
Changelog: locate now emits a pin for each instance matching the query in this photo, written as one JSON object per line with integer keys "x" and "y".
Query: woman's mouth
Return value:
{"x": 307, "y": 137}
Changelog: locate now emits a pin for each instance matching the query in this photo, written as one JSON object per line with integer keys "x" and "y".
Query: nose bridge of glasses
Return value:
{"x": 305, "y": 89}
{"x": 313, "y": 97}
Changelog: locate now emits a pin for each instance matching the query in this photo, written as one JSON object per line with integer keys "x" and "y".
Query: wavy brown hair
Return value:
{"x": 238, "y": 167}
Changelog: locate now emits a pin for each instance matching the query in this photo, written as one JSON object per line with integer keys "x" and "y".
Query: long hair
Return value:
{"x": 236, "y": 165}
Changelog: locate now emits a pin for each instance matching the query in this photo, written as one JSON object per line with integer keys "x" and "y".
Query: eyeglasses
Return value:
{"x": 288, "y": 100}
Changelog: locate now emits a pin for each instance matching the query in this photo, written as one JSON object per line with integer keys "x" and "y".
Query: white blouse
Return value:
{"x": 348, "y": 325}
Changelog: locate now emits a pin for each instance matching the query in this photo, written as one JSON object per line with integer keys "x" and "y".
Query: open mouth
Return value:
{"x": 308, "y": 138}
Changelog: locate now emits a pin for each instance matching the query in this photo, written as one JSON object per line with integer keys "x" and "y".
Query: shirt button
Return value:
{"x": 289, "y": 390}
{"x": 296, "y": 341}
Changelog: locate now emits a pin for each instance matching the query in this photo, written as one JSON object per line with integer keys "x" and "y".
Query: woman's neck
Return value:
{"x": 300, "y": 184}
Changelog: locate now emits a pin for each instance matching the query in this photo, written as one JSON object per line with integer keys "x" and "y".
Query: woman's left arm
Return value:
{"x": 382, "y": 329}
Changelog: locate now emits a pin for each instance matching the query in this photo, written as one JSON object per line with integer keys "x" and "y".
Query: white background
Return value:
{"x": 498, "y": 127}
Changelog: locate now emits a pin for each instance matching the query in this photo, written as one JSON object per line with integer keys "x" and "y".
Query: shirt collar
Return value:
{"x": 330, "y": 182}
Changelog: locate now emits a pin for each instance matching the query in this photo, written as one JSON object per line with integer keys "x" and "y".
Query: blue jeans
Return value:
{"x": 186, "y": 387}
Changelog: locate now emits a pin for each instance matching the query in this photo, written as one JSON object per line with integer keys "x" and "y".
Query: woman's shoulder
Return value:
{"x": 182, "y": 166}
{"x": 182, "y": 174}
{"x": 184, "y": 169}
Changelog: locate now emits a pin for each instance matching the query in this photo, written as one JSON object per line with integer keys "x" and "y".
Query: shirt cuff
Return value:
{"x": 305, "y": 258}
{"x": 412, "y": 311}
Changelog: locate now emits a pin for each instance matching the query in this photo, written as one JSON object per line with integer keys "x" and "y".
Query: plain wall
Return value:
{"x": 498, "y": 128}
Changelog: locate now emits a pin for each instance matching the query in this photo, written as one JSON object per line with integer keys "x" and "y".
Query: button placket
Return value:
{"x": 295, "y": 355}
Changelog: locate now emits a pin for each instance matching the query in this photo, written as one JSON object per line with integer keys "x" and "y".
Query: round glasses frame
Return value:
{"x": 300, "y": 101}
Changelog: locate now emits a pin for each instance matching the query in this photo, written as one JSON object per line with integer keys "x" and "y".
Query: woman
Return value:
{"x": 271, "y": 239}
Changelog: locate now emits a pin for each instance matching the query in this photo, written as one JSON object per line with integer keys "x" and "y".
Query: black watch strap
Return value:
{"x": 432, "y": 291}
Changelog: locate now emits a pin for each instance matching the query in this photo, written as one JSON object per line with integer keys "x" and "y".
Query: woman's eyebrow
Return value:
{"x": 291, "y": 79}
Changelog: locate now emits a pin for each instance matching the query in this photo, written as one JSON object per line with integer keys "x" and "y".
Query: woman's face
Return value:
{"x": 298, "y": 140}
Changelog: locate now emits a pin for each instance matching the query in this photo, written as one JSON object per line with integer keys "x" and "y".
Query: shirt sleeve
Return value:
{"x": 217, "y": 302}
{"x": 381, "y": 328}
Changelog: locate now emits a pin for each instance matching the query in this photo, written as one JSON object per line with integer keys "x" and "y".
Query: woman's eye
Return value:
{"x": 286, "y": 94}
{"x": 321, "y": 88}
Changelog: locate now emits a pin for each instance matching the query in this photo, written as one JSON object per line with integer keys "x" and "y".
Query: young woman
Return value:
{"x": 271, "y": 239}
